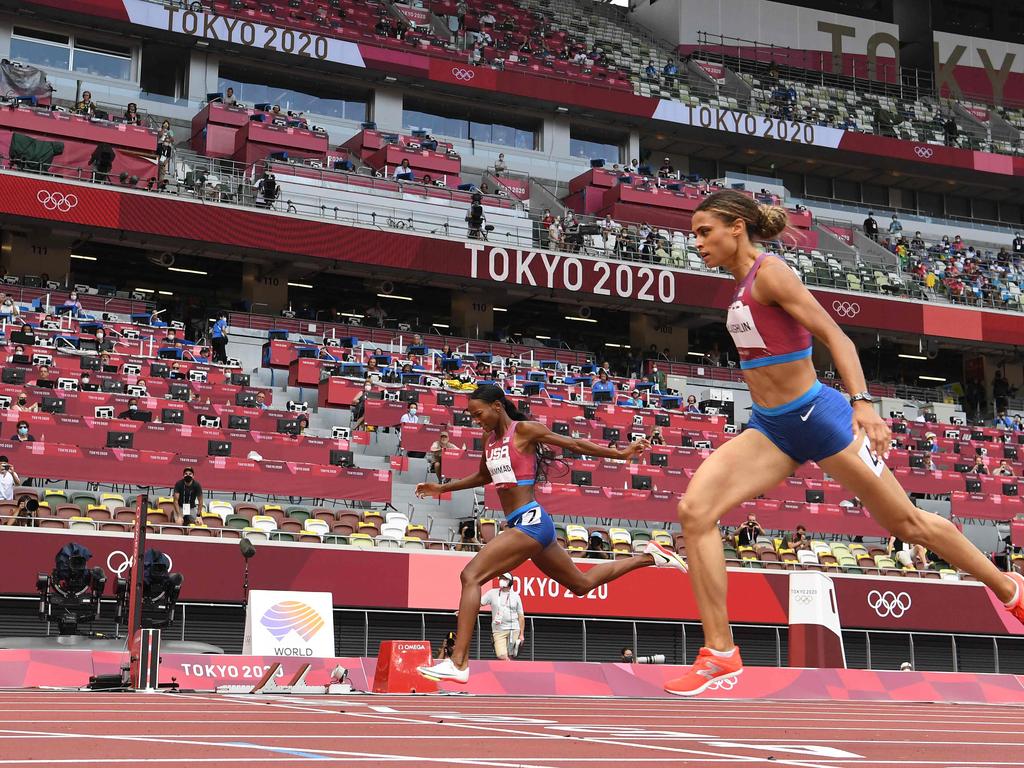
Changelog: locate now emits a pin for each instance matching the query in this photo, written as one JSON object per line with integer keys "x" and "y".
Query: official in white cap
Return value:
{"x": 508, "y": 623}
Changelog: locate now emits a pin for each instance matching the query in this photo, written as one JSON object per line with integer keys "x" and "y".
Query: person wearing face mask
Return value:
{"x": 508, "y": 623}
{"x": 85, "y": 384}
{"x": 103, "y": 342}
{"x": 22, "y": 404}
{"x": 411, "y": 416}
{"x": 22, "y": 434}
{"x": 8, "y": 307}
{"x": 132, "y": 411}
{"x": 72, "y": 305}
{"x": 19, "y": 357}
{"x": 188, "y": 498}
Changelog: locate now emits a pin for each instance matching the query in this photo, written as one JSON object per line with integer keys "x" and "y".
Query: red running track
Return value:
{"x": 104, "y": 729}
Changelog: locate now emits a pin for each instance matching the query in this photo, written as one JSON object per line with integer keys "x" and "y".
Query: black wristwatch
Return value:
{"x": 867, "y": 398}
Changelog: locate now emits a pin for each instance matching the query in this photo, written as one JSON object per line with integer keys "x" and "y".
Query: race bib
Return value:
{"x": 530, "y": 517}
{"x": 874, "y": 463}
{"x": 740, "y": 324}
{"x": 499, "y": 465}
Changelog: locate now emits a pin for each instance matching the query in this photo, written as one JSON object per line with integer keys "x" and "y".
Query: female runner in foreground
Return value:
{"x": 513, "y": 458}
{"x": 794, "y": 419}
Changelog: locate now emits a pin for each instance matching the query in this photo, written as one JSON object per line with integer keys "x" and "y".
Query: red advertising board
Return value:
{"x": 430, "y": 581}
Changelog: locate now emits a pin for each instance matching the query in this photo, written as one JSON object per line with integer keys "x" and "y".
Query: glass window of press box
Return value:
{"x": 589, "y": 146}
{"x": 297, "y": 97}
{"x": 71, "y": 52}
{"x": 462, "y": 123}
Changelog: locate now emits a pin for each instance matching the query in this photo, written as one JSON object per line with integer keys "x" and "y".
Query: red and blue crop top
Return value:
{"x": 763, "y": 334}
{"x": 508, "y": 465}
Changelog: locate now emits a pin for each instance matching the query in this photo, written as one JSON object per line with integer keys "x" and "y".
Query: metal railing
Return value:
{"x": 240, "y": 190}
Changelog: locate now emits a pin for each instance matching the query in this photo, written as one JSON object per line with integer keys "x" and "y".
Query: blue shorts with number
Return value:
{"x": 816, "y": 425}
{"x": 532, "y": 520}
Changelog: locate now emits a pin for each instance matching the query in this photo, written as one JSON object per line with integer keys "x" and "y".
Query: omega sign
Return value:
{"x": 571, "y": 273}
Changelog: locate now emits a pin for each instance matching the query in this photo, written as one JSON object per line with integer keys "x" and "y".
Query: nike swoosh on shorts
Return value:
{"x": 808, "y": 414}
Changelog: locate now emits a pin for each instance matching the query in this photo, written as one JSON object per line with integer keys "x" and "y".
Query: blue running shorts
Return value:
{"x": 816, "y": 425}
{"x": 532, "y": 520}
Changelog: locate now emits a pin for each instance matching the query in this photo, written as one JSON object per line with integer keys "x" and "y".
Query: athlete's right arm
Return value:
{"x": 481, "y": 478}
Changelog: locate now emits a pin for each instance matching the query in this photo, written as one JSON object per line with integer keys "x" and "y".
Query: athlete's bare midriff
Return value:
{"x": 775, "y": 385}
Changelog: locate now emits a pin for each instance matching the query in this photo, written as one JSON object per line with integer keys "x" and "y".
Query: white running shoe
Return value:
{"x": 445, "y": 670}
{"x": 664, "y": 558}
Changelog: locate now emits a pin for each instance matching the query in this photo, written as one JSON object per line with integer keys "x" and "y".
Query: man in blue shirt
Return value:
{"x": 219, "y": 337}
{"x": 603, "y": 385}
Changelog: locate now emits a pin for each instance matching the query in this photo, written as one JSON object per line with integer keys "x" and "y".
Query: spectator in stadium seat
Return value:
{"x": 22, "y": 433}
{"x": 9, "y": 307}
{"x": 411, "y": 415}
{"x": 1004, "y": 469}
{"x": 633, "y": 400}
{"x": 950, "y": 131}
{"x": 930, "y": 442}
{"x": 188, "y": 498}
{"x": 131, "y": 114}
{"x": 596, "y": 548}
{"x": 626, "y": 656}
{"x": 658, "y": 379}
{"x": 871, "y": 227}
{"x": 85, "y": 384}
{"x": 85, "y": 106}
{"x": 666, "y": 170}
{"x": 1002, "y": 421}
{"x": 656, "y": 437}
{"x": 906, "y": 554}
{"x": 22, "y": 405}
{"x": 670, "y": 71}
{"x": 229, "y": 97}
{"x": 508, "y": 622}
{"x": 691, "y": 404}
{"x": 468, "y": 541}
{"x": 403, "y": 172}
{"x": 261, "y": 401}
{"x": 72, "y": 304}
{"x": 603, "y": 384}
{"x": 798, "y": 539}
{"x": 43, "y": 379}
{"x": 749, "y": 531}
{"x": 978, "y": 468}
{"x": 500, "y": 166}
{"x": 895, "y": 226}
{"x": 1018, "y": 423}
{"x": 651, "y": 72}
{"x": 132, "y": 411}
{"x": 8, "y": 479}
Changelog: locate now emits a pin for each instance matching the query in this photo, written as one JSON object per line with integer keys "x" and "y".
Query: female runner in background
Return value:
{"x": 794, "y": 419}
{"x": 513, "y": 460}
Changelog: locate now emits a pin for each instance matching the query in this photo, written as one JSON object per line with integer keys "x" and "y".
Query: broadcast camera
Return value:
{"x": 71, "y": 593}
{"x": 160, "y": 591}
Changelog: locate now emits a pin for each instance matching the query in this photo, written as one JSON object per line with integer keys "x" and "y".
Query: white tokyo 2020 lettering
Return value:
{"x": 540, "y": 586}
{"x": 571, "y": 273}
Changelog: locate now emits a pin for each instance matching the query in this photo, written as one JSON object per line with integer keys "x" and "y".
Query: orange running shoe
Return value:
{"x": 707, "y": 669}
{"x": 1017, "y": 609}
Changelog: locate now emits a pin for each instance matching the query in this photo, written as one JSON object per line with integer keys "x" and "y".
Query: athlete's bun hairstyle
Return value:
{"x": 764, "y": 222}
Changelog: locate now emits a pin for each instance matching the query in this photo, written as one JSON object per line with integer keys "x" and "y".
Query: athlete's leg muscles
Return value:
{"x": 502, "y": 553}
{"x": 556, "y": 563}
{"x": 890, "y": 506}
{"x": 743, "y": 468}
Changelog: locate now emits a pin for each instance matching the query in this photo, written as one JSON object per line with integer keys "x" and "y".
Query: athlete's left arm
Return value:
{"x": 535, "y": 432}
{"x": 778, "y": 285}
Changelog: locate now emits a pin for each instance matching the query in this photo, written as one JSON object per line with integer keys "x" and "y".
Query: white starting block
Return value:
{"x": 268, "y": 684}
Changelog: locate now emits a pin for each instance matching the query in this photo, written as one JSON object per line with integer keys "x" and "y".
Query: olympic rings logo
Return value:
{"x": 846, "y": 308}
{"x": 923, "y": 152}
{"x": 124, "y": 563}
{"x": 56, "y": 201}
{"x": 889, "y": 603}
{"x": 803, "y": 599}
{"x": 722, "y": 684}
{"x": 465, "y": 75}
